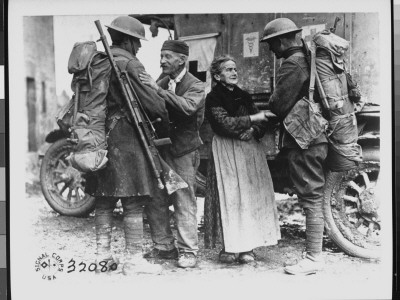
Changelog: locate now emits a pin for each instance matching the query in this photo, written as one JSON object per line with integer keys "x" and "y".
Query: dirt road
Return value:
{"x": 344, "y": 277}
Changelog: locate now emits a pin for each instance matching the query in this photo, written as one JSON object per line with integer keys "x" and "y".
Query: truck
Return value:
{"x": 351, "y": 206}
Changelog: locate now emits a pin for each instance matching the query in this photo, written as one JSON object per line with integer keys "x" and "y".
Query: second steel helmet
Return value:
{"x": 278, "y": 27}
{"x": 129, "y": 26}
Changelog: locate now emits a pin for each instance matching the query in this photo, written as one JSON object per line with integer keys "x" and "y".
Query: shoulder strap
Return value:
{"x": 315, "y": 77}
{"x": 122, "y": 68}
{"x": 124, "y": 63}
{"x": 89, "y": 68}
{"x": 313, "y": 71}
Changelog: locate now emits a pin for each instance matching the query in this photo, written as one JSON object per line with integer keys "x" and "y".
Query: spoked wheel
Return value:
{"x": 62, "y": 185}
{"x": 351, "y": 209}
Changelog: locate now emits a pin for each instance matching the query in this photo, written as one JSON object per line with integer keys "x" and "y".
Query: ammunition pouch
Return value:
{"x": 305, "y": 122}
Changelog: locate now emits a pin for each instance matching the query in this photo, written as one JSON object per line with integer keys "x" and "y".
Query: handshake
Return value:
{"x": 262, "y": 116}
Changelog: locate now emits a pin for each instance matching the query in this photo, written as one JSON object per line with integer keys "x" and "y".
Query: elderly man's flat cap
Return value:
{"x": 176, "y": 46}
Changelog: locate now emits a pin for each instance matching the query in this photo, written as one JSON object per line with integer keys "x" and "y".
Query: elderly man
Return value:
{"x": 305, "y": 165}
{"x": 185, "y": 99}
{"x": 127, "y": 175}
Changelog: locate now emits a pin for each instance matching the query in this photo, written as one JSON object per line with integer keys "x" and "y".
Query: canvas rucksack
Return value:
{"x": 85, "y": 114}
{"x": 336, "y": 81}
{"x": 340, "y": 96}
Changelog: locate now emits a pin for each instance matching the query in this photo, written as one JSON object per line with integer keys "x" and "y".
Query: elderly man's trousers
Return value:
{"x": 185, "y": 207}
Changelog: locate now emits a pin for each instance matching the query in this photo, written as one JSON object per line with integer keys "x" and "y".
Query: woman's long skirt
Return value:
{"x": 247, "y": 208}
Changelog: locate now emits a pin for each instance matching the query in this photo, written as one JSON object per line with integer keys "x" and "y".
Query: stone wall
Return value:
{"x": 40, "y": 78}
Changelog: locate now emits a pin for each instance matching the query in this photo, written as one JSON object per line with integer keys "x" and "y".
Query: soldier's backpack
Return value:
{"x": 337, "y": 82}
{"x": 85, "y": 115}
{"x": 341, "y": 98}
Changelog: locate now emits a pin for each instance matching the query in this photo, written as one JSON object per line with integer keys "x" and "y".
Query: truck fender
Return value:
{"x": 55, "y": 135}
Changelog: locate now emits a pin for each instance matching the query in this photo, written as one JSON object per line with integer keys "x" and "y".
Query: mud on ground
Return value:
{"x": 71, "y": 237}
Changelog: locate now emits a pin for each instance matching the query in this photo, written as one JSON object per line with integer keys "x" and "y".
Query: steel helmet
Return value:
{"x": 128, "y": 25}
{"x": 278, "y": 27}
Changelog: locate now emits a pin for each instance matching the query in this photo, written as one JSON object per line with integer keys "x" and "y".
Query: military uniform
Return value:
{"x": 127, "y": 175}
{"x": 128, "y": 171}
{"x": 306, "y": 166}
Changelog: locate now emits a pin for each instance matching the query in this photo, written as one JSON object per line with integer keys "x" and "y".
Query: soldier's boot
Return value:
{"x": 312, "y": 261}
{"x": 135, "y": 263}
{"x": 105, "y": 261}
{"x": 308, "y": 265}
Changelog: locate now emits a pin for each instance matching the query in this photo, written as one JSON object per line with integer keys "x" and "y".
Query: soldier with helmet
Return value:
{"x": 127, "y": 175}
{"x": 306, "y": 166}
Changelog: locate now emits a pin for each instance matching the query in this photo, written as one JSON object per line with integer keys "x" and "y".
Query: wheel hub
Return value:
{"x": 74, "y": 177}
{"x": 369, "y": 202}
{"x": 62, "y": 185}
{"x": 355, "y": 207}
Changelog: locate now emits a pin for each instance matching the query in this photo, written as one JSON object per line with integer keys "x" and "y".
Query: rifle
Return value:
{"x": 333, "y": 29}
{"x": 147, "y": 136}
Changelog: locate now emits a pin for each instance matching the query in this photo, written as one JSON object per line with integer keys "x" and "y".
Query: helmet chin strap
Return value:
{"x": 131, "y": 46}
{"x": 135, "y": 48}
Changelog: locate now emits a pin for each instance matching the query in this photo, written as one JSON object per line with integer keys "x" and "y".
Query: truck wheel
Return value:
{"x": 351, "y": 211}
{"x": 63, "y": 186}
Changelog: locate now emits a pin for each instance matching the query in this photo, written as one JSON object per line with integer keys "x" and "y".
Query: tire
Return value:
{"x": 63, "y": 186}
{"x": 351, "y": 211}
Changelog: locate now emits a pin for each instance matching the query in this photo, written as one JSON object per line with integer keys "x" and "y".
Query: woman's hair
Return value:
{"x": 215, "y": 68}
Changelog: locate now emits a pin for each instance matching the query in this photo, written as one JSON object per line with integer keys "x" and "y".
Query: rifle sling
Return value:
{"x": 122, "y": 69}
{"x": 315, "y": 78}
{"x": 313, "y": 70}
{"x": 142, "y": 114}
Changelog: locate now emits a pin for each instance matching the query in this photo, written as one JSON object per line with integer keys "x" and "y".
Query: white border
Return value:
{"x": 22, "y": 285}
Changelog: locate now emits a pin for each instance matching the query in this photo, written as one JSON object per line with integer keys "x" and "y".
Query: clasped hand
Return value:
{"x": 247, "y": 135}
{"x": 259, "y": 117}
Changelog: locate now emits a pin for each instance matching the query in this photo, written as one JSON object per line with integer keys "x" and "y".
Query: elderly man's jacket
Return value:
{"x": 186, "y": 112}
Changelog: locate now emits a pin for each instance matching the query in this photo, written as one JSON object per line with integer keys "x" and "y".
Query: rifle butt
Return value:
{"x": 172, "y": 180}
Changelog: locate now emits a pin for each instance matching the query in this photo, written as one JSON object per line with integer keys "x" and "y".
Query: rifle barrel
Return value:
{"x": 135, "y": 114}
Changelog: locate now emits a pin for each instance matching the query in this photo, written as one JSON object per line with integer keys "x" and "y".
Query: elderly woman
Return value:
{"x": 240, "y": 195}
